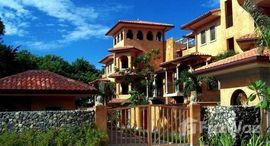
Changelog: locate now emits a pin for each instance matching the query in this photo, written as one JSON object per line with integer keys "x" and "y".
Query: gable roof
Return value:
{"x": 199, "y": 21}
{"x": 42, "y": 81}
{"x": 121, "y": 23}
{"x": 238, "y": 59}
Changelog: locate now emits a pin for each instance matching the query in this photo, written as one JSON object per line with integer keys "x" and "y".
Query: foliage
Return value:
{"x": 220, "y": 139}
{"x": 262, "y": 22}
{"x": 2, "y": 28}
{"x": 64, "y": 136}
{"x": 190, "y": 82}
{"x": 255, "y": 140}
{"x": 224, "y": 55}
{"x": 106, "y": 90}
{"x": 262, "y": 91}
{"x": 137, "y": 98}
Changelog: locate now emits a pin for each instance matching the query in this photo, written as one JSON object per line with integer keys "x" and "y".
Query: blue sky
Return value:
{"x": 76, "y": 28}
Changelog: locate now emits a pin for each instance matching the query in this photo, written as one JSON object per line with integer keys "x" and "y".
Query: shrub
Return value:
{"x": 64, "y": 136}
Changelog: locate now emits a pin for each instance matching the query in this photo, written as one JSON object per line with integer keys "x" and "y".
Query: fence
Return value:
{"x": 151, "y": 125}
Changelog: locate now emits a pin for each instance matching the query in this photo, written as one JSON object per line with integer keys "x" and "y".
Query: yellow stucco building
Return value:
{"x": 228, "y": 28}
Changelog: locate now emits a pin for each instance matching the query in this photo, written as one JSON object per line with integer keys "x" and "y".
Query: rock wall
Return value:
{"x": 239, "y": 121}
{"x": 44, "y": 119}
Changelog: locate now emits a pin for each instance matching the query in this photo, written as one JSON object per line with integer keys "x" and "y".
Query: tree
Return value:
{"x": 84, "y": 71}
{"x": 262, "y": 22}
{"x": 2, "y": 27}
{"x": 8, "y": 65}
{"x": 55, "y": 64}
{"x": 26, "y": 60}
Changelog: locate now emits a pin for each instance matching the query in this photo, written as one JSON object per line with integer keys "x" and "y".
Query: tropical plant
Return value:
{"x": 190, "y": 81}
{"x": 262, "y": 91}
{"x": 219, "y": 139}
{"x": 255, "y": 140}
{"x": 224, "y": 55}
{"x": 262, "y": 22}
{"x": 137, "y": 98}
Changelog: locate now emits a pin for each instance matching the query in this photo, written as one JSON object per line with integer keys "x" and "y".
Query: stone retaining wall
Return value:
{"x": 44, "y": 119}
{"x": 239, "y": 121}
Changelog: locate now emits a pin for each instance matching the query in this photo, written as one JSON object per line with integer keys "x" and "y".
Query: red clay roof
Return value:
{"x": 186, "y": 57}
{"x": 125, "y": 48}
{"x": 140, "y": 22}
{"x": 250, "y": 55}
{"x": 106, "y": 59}
{"x": 248, "y": 37}
{"x": 42, "y": 81}
{"x": 202, "y": 17}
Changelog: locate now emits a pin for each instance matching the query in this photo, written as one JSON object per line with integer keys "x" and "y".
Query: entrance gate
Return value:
{"x": 148, "y": 125}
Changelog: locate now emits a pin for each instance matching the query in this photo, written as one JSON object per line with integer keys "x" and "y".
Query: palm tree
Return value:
{"x": 262, "y": 23}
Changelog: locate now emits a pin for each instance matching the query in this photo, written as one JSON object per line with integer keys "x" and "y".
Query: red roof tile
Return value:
{"x": 125, "y": 48}
{"x": 121, "y": 23}
{"x": 107, "y": 58}
{"x": 233, "y": 59}
{"x": 248, "y": 37}
{"x": 202, "y": 17}
{"x": 145, "y": 22}
{"x": 42, "y": 81}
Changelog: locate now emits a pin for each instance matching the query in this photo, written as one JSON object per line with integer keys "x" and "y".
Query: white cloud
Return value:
{"x": 16, "y": 15}
{"x": 211, "y": 3}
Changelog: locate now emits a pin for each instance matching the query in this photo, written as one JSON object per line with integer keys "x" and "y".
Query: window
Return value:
{"x": 124, "y": 87}
{"x": 159, "y": 36}
{"x": 124, "y": 62}
{"x": 130, "y": 34}
{"x": 121, "y": 36}
{"x": 230, "y": 44}
{"x": 203, "y": 37}
{"x": 212, "y": 33}
{"x": 149, "y": 36}
{"x": 228, "y": 13}
{"x": 114, "y": 42}
{"x": 140, "y": 35}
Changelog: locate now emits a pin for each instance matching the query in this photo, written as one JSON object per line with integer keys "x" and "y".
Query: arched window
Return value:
{"x": 130, "y": 34}
{"x": 149, "y": 36}
{"x": 239, "y": 97}
{"x": 124, "y": 62}
{"x": 140, "y": 35}
{"x": 124, "y": 87}
{"x": 159, "y": 36}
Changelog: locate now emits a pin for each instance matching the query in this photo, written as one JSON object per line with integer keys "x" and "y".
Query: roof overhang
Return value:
{"x": 137, "y": 24}
{"x": 191, "y": 59}
{"x": 125, "y": 49}
{"x": 262, "y": 3}
{"x": 204, "y": 19}
{"x": 106, "y": 59}
{"x": 22, "y": 92}
{"x": 254, "y": 61}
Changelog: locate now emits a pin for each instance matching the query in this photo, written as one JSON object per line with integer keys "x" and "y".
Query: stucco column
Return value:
{"x": 130, "y": 62}
{"x": 194, "y": 123}
{"x": 101, "y": 117}
{"x": 147, "y": 88}
{"x": 177, "y": 78}
{"x": 155, "y": 86}
{"x": 166, "y": 82}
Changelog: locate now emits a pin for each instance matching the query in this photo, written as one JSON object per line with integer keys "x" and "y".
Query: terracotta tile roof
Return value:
{"x": 99, "y": 80}
{"x": 122, "y": 23}
{"x": 186, "y": 57}
{"x": 145, "y": 22}
{"x": 125, "y": 48}
{"x": 36, "y": 81}
{"x": 238, "y": 58}
{"x": 108, "y": 57}
{"x": 202, "y": 17}
{"x": 117, "y": 100}
{"x": 248, "y": 37}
